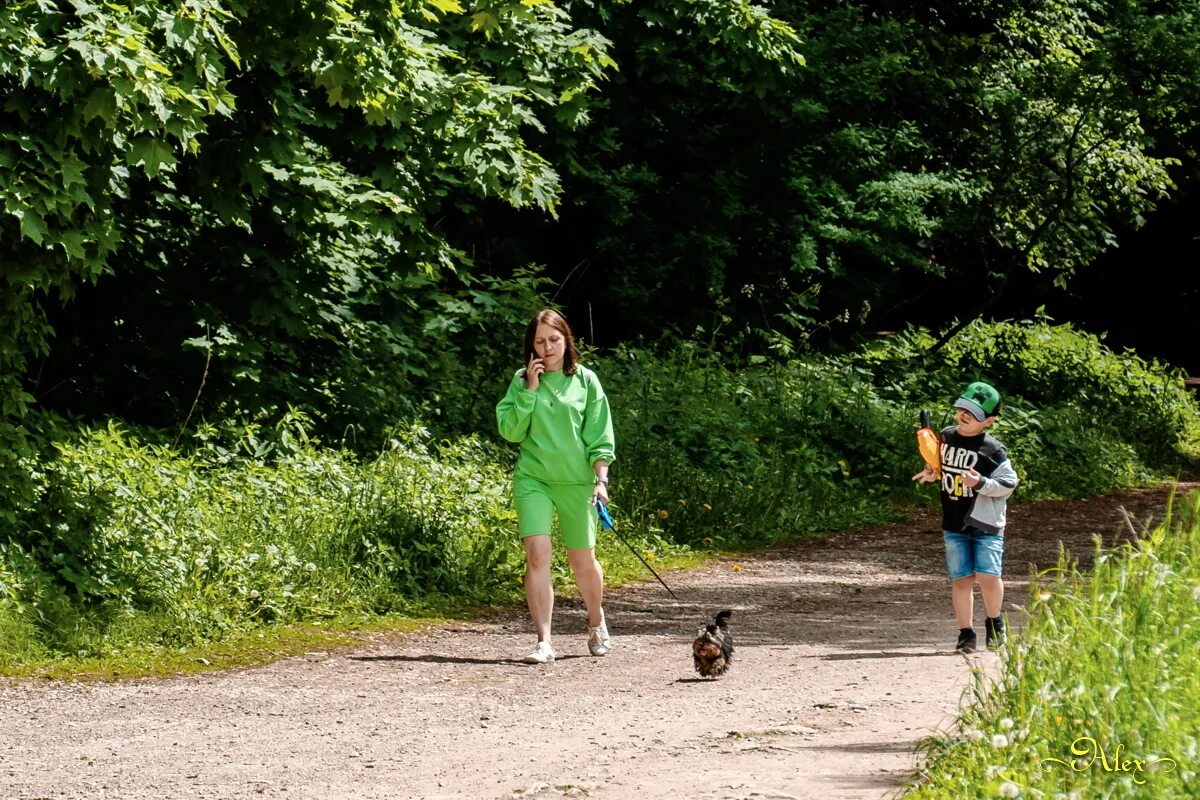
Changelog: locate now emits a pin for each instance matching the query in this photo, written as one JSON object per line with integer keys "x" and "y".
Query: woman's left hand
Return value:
{"x": 600, "y": 493}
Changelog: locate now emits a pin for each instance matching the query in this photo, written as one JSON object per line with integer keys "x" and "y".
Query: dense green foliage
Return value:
{"x": 1109, "y": 660}
{"x": 133, "y": 544}
{"x": 1102, "y": 417}
{"x": 219, "y": 209}
{"x": 918, "y": 147}
{"x": 138, "y": 542}
{"x": 260, "y": 184}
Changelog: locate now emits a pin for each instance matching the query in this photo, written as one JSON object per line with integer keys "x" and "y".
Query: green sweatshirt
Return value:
{"x": 563, "y": 428}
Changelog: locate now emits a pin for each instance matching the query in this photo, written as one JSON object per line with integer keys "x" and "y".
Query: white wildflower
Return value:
{"x": 999, "y": 740}
{"x": 1006, "y": 724}
{"x": 1010, "y": 789}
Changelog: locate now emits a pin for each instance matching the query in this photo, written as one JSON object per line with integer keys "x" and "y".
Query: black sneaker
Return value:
{"x": 966, "y": 641}
{"x": 996, "y": 633}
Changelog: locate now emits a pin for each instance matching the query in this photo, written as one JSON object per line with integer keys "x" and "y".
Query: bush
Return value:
{"x": 711, "y": 455}
{"x": 208, "y": 542}
{"x": 1038, "y": 365}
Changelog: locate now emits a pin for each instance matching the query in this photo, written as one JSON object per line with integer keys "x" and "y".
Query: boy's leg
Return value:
{"x": 962, "y": 594}
{"x": 960, "y": 567}
{"x": 989, "y": 555}
{"x": 992, "y": 589}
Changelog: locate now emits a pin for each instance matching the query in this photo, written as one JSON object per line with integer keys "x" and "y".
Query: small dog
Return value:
{"x": 712, "y": 651}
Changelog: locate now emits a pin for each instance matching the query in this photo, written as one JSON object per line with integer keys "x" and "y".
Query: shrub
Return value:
{"x": 1038, "y": 365}
{"x": 210, "y": 543}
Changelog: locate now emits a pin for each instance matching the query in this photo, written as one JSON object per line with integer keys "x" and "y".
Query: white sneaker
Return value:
{"x": 599, "y": 642}
{"x": 542, "y": 654}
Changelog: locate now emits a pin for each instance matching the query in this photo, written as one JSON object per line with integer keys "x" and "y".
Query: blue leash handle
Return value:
{"x": 605, "y": 517}
{"x": 606, "y": 522}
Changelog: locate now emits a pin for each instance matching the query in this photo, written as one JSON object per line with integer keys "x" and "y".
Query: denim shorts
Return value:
{"x": 969, "y": 553}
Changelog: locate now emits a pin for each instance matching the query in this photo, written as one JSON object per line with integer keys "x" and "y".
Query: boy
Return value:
{"x": 977, "y": 479}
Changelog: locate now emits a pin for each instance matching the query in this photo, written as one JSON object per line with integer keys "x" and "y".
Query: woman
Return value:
{"x": 556, "y": 410}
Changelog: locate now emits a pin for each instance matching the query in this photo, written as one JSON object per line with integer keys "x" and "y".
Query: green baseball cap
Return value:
{"x": 981, "y": 399}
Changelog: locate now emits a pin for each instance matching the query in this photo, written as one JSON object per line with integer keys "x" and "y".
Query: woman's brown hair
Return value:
{"x": 559, "y": 323}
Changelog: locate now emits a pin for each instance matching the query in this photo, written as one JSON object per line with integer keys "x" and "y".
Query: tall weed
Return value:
{"x": 1109, "y": 660}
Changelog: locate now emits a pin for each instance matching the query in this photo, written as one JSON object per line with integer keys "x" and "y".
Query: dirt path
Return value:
{"x": 843, "y": 662}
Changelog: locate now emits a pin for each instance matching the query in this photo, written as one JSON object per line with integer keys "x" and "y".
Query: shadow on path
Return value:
{"x": 432, "y": 658}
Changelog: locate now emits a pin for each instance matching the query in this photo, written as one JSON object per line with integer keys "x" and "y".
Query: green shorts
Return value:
{"x": 537, "y": 501}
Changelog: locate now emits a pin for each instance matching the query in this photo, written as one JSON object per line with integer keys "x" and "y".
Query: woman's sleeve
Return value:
{"x": 597, "y": 425}
{"x": 514, "y": 412}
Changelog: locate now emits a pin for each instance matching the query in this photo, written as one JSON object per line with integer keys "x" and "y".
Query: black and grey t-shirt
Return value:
{"x": 959, "y": 454}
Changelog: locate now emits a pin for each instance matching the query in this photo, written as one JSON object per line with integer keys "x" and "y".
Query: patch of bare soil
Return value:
{"x": 844, "y": 661}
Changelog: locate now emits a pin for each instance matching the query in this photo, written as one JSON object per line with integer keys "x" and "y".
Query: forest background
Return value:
{"x": 265, "y": 267}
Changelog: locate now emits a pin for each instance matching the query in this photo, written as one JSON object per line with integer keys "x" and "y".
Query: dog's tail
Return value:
{"x": 723, "y": 618}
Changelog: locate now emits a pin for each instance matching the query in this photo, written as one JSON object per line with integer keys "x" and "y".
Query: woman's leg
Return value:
{"x": 539, "y": 590}
{"x": 589, "y": 577}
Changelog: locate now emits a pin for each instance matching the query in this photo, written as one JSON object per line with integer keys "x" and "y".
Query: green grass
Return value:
{"x": 1109, "y": 659}
{"x": 131, "y": 650}
{"x": 241, "y": 649}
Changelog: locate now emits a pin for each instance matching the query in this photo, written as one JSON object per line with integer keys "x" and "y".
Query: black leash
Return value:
{"x": 606, "y": 522}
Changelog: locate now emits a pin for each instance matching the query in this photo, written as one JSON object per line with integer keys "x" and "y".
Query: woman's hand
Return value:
{"x": 926, "y": 475}
{"x": 533, "y": 373}
{"x": 600, "y": 493}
